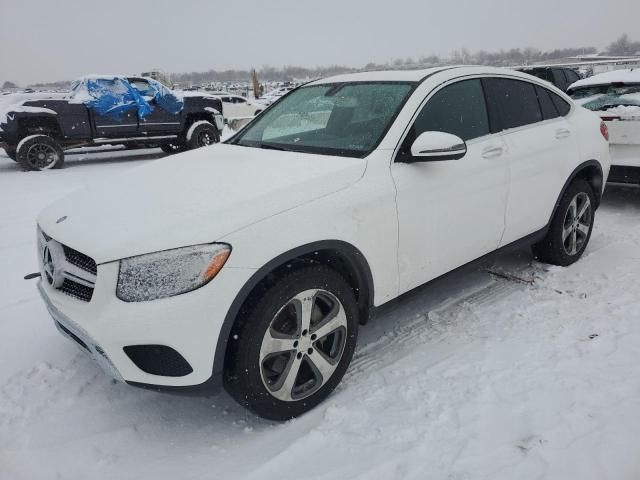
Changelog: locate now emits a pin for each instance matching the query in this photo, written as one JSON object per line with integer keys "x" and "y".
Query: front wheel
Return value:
{"x": 201, "y": 134}
{"x": 292, "y": 346}
{"x": 173, "y": 147}
{"x": 571, "y": 226}
{"x": 39, "y": 152}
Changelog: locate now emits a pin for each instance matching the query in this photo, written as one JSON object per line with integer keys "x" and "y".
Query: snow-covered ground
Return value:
{"x": 473, "y": 376}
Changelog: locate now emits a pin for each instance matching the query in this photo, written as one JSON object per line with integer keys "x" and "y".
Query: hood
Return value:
{"x": 192, "y": 198}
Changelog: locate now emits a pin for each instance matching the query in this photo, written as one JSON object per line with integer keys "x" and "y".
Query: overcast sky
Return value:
{"x": 47, "y": 40}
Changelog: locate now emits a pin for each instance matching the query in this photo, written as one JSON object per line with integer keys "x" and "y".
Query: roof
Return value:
{"x": 380, "y": 76}
{"x": 414, "y": 75}
{"x": 615, "y": 76}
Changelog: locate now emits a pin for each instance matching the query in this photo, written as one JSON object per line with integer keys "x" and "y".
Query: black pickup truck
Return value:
{"x": 116, "y": 110}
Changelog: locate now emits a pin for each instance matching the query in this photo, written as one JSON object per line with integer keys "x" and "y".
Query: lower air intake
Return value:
{"x": 158, "y": 360}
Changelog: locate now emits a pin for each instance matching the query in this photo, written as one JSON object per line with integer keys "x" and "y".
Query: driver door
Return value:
{"x": 450, "y": 212}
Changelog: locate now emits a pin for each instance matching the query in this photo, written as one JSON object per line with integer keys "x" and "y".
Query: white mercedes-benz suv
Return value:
{"x": 252, "y": 263}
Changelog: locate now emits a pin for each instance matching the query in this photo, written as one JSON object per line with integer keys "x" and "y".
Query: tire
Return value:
{"x": 173, "y": 147}
{"x": 11, "y": 153}
{"x": 39, "y": 152}
{"x": 568, "y": 236}
{"x": 258, "y": 372}
{"x": 201, "y": 134}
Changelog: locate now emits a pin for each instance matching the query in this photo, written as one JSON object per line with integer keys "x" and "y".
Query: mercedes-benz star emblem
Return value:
{"x": 53, "y": 263}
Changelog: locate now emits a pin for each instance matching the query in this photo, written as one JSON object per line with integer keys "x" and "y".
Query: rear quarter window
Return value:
{"x": 562, "y": 105}
{"x": 547, "y": 106}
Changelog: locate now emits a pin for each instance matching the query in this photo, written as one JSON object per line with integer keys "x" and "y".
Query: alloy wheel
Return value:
{"x": 577, "y": 224}
{"x": 42, "y": 156}
{"x": 205, "y": 139}
{"x": 303, "y": 345}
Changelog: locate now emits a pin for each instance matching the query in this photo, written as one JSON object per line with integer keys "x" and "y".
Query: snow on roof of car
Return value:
{"x": 615, "y": 76}
{"x": 97, "y": 76}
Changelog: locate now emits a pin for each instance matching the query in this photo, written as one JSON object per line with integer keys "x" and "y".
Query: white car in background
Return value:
{"x": 254, "y": 262}
{"x": 235, "y": 106}
{"x": 273, "y": 95}
{"x": 615, "y": 96}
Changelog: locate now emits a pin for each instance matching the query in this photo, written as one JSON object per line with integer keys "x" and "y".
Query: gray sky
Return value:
{"x": 46, "y": 40}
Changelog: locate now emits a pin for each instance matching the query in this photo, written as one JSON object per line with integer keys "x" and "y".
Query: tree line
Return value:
{"x": 514, "y": 56}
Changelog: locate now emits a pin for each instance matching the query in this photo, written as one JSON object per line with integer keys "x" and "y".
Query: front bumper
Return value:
{"x": 76, "y": 333}
{"x": 189, "y": 324}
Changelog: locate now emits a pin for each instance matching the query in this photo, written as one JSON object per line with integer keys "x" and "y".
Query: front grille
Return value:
{"x": 78, "y": 271}
{"x": 77, "y": 290}
{"x": 80, "y": 260}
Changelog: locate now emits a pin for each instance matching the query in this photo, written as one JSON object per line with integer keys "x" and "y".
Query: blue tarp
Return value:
{"x": 112, "y": 97}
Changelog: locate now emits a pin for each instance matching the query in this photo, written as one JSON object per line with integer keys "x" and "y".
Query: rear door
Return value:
{"x": 159, "y": 120}
{"x": 109, "y": 121}
{"x": 538, "y": 140}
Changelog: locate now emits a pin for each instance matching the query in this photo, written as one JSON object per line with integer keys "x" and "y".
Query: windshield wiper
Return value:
{"x": 269, "y": 146}
{"x": 266, "y": 146}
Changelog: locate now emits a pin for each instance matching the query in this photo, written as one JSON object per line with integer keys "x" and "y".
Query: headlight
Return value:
{"x": 170, "y": 273}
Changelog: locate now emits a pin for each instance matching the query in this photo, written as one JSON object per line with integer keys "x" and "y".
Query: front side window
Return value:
{"x": 458, "y": 109}
{"x": 513, "y": 103}
{"x": 336, "y": 119}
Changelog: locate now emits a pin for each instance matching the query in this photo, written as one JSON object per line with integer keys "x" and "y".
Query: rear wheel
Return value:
{"x": 39, "y": 152}
{"x": 202, "y": 134}
{"x": 290, "y": 349}
{"x": 571, "y": 226}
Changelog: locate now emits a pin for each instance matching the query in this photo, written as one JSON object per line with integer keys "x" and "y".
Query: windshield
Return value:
{"x": 603, "y": 97}
{"x": 336, "y": 119}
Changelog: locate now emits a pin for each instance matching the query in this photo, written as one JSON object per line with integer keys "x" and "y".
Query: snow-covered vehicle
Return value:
{"x": 99, "y": 110}
{"x": 274, "y": 95}
{"x": 615, "y": 96}
{"x": 235, "y": 106}
{"x": 255, "y": 270}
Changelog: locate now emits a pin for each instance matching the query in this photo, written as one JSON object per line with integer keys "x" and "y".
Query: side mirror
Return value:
{"x": 437, "y": 146}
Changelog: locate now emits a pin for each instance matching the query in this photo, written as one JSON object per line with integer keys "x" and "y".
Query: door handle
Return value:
{"x": 492, "y": 151}
{"x": 562, "y": 133}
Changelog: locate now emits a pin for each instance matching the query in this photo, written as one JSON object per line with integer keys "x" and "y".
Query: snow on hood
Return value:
{"x": 615, "y": 76}
{"x": 13, "y": 102}
{"x": 192, "y": 198}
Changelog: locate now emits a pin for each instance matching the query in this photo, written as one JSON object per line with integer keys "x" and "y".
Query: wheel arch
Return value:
{"x": 193, "y": 117}
{"x": 336, "y": 254}
{"x": 591, "y": 171}
{"x": 45, "y": 124}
